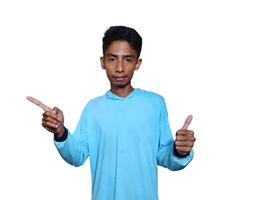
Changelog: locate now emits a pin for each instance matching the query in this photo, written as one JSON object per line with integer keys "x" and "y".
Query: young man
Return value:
{"x": 124, "y": 132}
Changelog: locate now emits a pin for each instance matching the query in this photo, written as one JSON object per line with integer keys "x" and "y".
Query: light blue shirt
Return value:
{"x": 125, "y": 139}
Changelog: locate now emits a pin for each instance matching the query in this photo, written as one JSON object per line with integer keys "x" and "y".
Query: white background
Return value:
{"x": 207, "y": 58}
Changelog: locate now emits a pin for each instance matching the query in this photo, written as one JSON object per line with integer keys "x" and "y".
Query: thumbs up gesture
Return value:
{"x": 185, "y": 139}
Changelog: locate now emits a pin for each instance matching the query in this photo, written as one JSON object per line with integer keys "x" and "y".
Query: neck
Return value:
{"x": 122, "y": 91}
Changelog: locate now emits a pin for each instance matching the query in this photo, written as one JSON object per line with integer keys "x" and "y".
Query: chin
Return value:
{"x": 121, "y": 85}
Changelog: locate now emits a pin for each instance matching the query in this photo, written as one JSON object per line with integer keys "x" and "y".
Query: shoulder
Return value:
{"x": 152, "y": 100}
{"x": 151, "y": 95}
{"x": 94, "y": 103}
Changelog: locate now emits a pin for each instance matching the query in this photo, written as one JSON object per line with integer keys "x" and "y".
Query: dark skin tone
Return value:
{"x": 120, "y": 61}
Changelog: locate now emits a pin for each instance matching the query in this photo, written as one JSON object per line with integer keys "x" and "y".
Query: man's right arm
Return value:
{"x": 72, "y": 148}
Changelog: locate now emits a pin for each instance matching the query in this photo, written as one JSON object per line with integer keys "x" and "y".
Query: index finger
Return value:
{"x": 39, "y": 103}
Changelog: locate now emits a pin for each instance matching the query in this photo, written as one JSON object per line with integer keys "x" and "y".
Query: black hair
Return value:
{"x": 122, "y": 33}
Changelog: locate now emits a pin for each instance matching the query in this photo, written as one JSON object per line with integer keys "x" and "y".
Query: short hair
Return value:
{"x": 122, "y": 33}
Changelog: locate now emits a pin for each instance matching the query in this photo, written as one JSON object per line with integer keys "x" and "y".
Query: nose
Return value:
{"x": 119, "y": 66}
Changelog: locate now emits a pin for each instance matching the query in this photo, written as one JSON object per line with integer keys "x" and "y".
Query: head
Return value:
{"x": 121, "y": 51}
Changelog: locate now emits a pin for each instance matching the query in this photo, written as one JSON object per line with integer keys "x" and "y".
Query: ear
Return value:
{"x": 102, "y": 62}
{"x": 139, "y": 62}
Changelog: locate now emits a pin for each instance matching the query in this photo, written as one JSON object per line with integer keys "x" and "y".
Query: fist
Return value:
{"x": 185, "y": 139}
{"x": 53, "y": 121}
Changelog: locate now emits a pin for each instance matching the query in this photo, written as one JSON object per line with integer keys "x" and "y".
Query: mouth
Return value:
{"x": 119, "y": 78}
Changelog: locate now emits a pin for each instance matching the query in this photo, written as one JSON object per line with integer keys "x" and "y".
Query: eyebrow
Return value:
{"x": 124, "y": 56}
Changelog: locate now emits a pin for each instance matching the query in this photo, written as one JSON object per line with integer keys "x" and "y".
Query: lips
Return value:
{"x": 119, "y": 78}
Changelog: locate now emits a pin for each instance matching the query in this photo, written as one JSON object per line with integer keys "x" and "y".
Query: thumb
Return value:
{"x": 55, "y": 110}
{"x": 59, "y": 113}
{"x": 187, "y": 122}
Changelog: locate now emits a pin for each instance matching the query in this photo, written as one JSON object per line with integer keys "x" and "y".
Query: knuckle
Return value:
{"x": 49, "y": 124}
{"x": 50, "y": 119}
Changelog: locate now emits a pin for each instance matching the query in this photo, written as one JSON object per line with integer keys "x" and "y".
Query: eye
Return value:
{"x": 129, "y": 60}
{"x": 111, "y": 59}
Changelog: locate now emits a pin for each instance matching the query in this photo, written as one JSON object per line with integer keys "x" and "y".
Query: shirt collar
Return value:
{"x": 111, "y": 95}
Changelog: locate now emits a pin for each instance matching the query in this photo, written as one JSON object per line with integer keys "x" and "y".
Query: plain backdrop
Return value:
{"x": 207, "y": 58}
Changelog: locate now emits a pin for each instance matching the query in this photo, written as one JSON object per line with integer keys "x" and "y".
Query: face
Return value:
{"x": 120, "y": 61}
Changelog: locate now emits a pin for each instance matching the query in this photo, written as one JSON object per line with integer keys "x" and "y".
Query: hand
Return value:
{"x": 53, "y": 119}
{"x": 185, "y": 139}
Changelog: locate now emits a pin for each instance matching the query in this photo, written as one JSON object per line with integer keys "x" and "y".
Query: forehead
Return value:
{"x": 119, "y": 47}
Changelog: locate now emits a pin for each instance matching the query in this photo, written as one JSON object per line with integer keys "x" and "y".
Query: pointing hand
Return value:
{"x": 185, "y": 139}
{"x": 53, "y": 119}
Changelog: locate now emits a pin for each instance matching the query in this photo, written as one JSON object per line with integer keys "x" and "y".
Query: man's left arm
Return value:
{"x": 174, "y": 154}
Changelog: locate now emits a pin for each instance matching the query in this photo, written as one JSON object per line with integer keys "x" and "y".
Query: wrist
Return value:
{"x": 180, "y": 155}
{"x": 61, "y": 136}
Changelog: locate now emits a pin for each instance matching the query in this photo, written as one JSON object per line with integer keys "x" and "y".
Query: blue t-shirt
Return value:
{"x": 125, "y": 139}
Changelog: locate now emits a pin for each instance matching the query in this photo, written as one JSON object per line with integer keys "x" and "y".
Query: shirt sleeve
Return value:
{"x": 166, "y": 156}
{"x": 75, "y": 149}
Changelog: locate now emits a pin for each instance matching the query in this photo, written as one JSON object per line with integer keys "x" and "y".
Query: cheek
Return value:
{"x": 109, "y": 69}
{"x": 108, "y": 74}
{"x": 131, "y": 71}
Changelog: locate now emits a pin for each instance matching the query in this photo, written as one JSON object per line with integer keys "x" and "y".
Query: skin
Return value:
{"x": 119, "y": 60}
{"x": 185, "y": 139}
{"x": 53, "y": 119}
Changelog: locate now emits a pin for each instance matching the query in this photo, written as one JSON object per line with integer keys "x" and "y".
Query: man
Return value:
{"x": 124, "y": 132}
